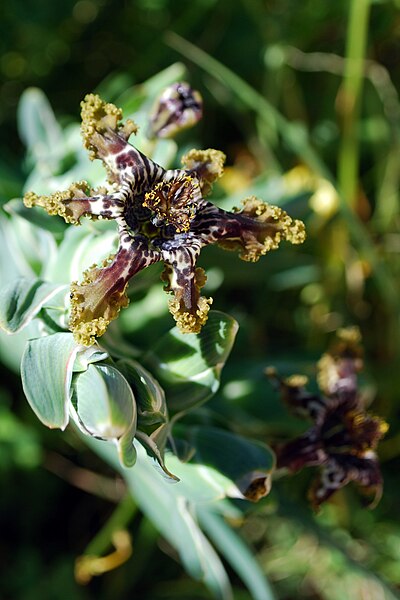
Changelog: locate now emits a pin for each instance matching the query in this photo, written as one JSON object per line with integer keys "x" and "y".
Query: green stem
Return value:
{"x": 350, "y": 99}
{"x": 119, "y": 519}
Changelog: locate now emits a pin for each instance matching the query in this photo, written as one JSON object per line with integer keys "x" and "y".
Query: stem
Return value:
{"x": 121, "y": 516}
{"x": 350, "y": 98}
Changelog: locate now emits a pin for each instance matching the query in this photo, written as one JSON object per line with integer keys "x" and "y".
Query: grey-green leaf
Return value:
{"x": 172, "y": 514}
{"x": 249, "y": 464}
{"x": 154, "y": 445}
{"x": 188, "y": 366}
{"x": 103, "y": 406}
{"x": 35, "y": 215}
{"x": 39, "y": 129}
{"x": 235, "y": 551}
{"x": 150, "y": 397}
{"x": 46, "y": 371}
{"x": 22, "y": 299}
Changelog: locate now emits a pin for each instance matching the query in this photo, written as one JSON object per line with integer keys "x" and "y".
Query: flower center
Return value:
{"x": 140, "y": 222}
{"x": 172, "y": 203}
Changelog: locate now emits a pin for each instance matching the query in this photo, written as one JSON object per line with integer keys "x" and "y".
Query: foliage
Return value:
{"x": 300, "y": 130}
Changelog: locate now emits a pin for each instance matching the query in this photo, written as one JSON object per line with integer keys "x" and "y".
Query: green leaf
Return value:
{"x": 201, "y": 483}
{"x": 154, "y": 445}
{"x": 248, "y": 464}
{"x": 87, "y": 356}
{"x": 188, "y": 366}
{"x": 132, "y": 98}
{"x": 165, "y": 504}
{"x": 103, "y": 405}
{"x": 153, "y": 426}
{"x": 237, "y": 553}
{"x": 35, "y": 215}
{"x": 150, "y": 397}
{"x": 46, "y": 372}
{"x": 21, "y": 300}
{"x": 39, "y": 129}
{"x": 80, "y": 248}
{"x": 24, "y": 249}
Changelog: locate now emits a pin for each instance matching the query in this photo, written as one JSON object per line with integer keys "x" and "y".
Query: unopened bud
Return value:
{"x": 178, "y": 107}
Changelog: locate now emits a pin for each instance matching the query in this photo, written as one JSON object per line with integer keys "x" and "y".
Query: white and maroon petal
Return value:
{"x": 97, "y": 300}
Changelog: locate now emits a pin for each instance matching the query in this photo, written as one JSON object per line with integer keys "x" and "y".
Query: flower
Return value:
{"x": 343, "y": 438}
{"x": 161, "y": 215}
{"x": 178, "y": 108}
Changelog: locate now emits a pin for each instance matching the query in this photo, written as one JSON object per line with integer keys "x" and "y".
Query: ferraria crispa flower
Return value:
{"x": 161, "y": 215}
{"x": 343, "y": 438}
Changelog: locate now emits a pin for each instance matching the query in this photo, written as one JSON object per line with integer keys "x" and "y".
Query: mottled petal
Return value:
{"x": 305, "y": 451}
{"x": 365, "y": 430}
{"x": 254, "y": 230}
{"x": 338, "y": 369}
{"x": 340, "y": 470}
{"x": 106, "y": 138}
{"x": 207, "y": 165}
{"x": 178, "y": 108}
{"x": 98, "y": 299}
{"x": 298, "y": 399}
{"x": 62, "y": 203}
{"x": 74, "y": 203}
{"x": 184, "y": 280}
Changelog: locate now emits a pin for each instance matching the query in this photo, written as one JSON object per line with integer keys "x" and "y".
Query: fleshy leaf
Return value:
{"x": 249, "y": 464}
{"x": 154, "y": 445}
{"x": 152, "y": 419}
{"x": 103, "y": 406}
{"x": 188, "y": 366}
{"x": 46, "y": 371}
{"x": 170, "y": 511}
{"x": 88, "y": 356}
{"x": 35, "y": 216}
{"x": 21, "y": 300}
{"x": 150, "y": 397}
{"x": 39, "y": 129}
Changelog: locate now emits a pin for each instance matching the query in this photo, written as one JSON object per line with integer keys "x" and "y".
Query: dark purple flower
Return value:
{"x": 161, "y": 216}
{"x": 343, "y": 438}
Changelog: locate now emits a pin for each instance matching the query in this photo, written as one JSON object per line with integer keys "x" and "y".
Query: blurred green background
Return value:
{"x": 301, "y": 126}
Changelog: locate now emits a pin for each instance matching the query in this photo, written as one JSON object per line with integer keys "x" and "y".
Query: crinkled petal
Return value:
{"x": 337, "y": 377}
{"x": 254, "y": 230}
{"x": 340, "y": 469}
{"x": 185, "y": 280}
{"x": 207, "y": 165}
{"x": 97, "y": 300}
{"x": 74, "y": 203}
{"x": 338, "y": 368}
{"x": 364, "y": 429}
{"x": 106, "y": 138}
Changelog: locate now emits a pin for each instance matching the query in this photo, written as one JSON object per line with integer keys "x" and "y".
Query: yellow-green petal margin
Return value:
{"x": 57, "y": 203}
{"x": 209, "y": 165}
{"x": 98, "y": 117}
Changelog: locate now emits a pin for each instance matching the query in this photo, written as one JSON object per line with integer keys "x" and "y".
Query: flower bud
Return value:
{"x": 178, "y": 107}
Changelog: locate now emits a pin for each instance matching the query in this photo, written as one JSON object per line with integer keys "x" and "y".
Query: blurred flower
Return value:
{"x": 178, "y": 107}
{"x": 161, "y": 215}
{"x": 324, "y": 199}
{"x": 344, "y": 436}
